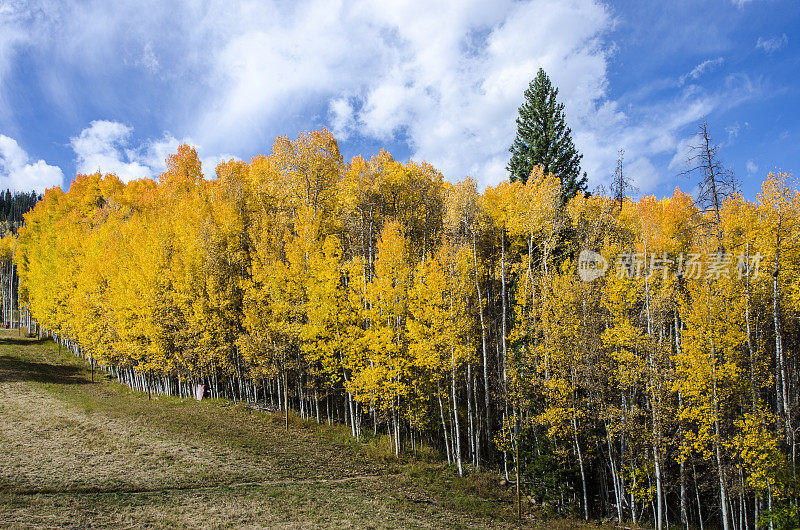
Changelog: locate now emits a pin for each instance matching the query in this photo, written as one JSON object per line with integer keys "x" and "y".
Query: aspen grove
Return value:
{"x": 377, "y": 294}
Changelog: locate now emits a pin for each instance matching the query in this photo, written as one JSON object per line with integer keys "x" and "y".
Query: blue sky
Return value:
{"x": 115, "y": 87}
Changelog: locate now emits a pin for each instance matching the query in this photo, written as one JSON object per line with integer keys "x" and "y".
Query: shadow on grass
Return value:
{"x": 14, "y": 369}
{"x": 13, "y": 341}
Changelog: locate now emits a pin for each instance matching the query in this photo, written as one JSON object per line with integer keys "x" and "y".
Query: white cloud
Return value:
{"x": 106, "y": 146}
{"x": 14, "y": 17}
{"x": 643, "y": 174}
{"x": 341, "y": 117}
{"x": 752, "y": 167}
{"x": 448, "y": 83}
{"x": 773, "y": 44}
{"x": 210, "y": 163}
{"x": 103, "y": 147}
{"x": 149, "y": 59}
{"x": 18, "y": 172}
{"x": 154, "y": 153}
{"x": 706, "y": 66}
{"x": 445, "y": 78}
{"x": 733, "y": 131}
{"x": 683, "y": 154}
{"x": 458, "y": 105}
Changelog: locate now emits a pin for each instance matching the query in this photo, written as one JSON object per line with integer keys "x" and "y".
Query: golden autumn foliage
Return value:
{"x": 375, "y": 292}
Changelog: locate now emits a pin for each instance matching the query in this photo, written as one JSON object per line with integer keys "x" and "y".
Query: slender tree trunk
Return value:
{"x": 659, "y": 491}
{"x": 505, "y": 310}
{"x": 444, "y": 423}
{"x": 580, "y": 463}
{"x": 747, "y": 323}
{"x": 286, "y": 398}
{"x": 470, "y": 423}
{"x": 517, "y": 465}
{"x": 477, "y": 424}
{"x": 633, "y": 501}
{"x": 487, "y": 397}
{"x": 654, "y": 403}
{"x": 614, "y": 477}
{"x": 723, "y": 495}
{"x": 681, "y": 463}
{"x": 457, "y": 434}
{"x": 316, "y": 402}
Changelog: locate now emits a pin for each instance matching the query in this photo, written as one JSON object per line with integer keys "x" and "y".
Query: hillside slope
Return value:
{"x": 78, "y": 453}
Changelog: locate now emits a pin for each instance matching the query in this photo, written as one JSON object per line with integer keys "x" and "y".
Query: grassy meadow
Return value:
{"x": 77, "y": 453}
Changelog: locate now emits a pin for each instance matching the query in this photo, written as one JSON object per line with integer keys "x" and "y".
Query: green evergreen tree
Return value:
{"x": 543, "y": 139}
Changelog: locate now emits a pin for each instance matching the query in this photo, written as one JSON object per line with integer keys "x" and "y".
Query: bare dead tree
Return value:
{"x": 621, "y": 185}
{"x": 716, "y": 182}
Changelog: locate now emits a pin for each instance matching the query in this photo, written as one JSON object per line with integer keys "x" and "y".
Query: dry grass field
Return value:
{"x": 78, "y": 454}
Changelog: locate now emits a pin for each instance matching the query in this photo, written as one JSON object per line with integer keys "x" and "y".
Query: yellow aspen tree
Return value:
{"x": 322, "y": 334}
{"x": 779, "y": 235}
{"x": 465, "y": 219}
{"x": 430, "y": 336}
{"x": 500, "y": 203}
{"x": 708, "y": 375}
{"x": 387, "y": 376}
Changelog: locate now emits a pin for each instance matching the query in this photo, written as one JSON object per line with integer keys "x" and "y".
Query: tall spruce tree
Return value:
{"x": 543, "y": 139}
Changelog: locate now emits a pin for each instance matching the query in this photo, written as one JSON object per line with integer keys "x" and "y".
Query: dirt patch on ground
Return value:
{"x": 50, "y": 445}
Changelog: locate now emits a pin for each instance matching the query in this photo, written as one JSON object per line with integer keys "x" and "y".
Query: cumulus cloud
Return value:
{"x": 447, "y": 83}
{"x": 103, "y": 147}
{"x": 18, "y": 172}
{"x": 455, "y": 90}
{"x": 773, "y": 44}
{"x": 341, "y": 117}
{"x": 106, "y": 146}
{"x": 752, "y": 167}
{"x": 445, "y": 79}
